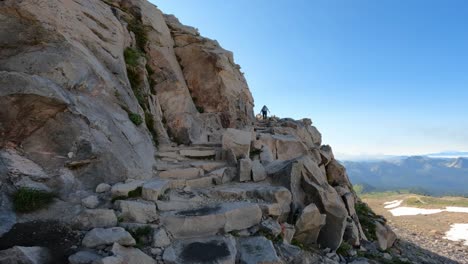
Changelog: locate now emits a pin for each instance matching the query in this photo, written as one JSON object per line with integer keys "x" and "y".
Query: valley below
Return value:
{"x": 439, "y": 226}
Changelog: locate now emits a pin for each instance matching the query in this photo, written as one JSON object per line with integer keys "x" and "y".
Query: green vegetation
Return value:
{"x": 427, "y": 201}
{"x": 149, "y": 121}
{"x": 135, "y": 118}
{"x": 135, "y": 193}
{"x": 344, "y": 249}
{"x": 254, "y": 152}
{"x": 366, "y": 217}
{"x": 141, "y": 235}
{"x": 298, "y": 244}
{"x": 201, "y": 109}
{"x": 28, "y": 200}
{"x": 132, "y": 56}
{"x": 141, "y": 35}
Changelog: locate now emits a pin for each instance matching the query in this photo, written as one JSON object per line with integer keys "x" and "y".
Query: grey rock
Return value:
{"x": 258, "y": 171}
{"x": 217, "y": 250}
{"x": 103, "y": 187}
{"x": 107, "y": 236}
{"x": 271, "y": 227}
{"x": 238, "y": 141}
{"x": 25, "y": 255}
{"x": 257, "y": 250}
{"x": 90, "y": 202}
{"x": 132, "y": 255}
{"x": 84, "y": 257}
{"x": 160, "y": 238}
{"x": 245, "y": 170}
{"x": 209, "y": 220}
{"x": 111, "y": 260}
{"x": 153, "y": 189}
{"x": 385, "y": 236}
{"x": 309, "y": 224}
{"x": 138, "y": 211}
{"x": 91, "y": 218}
{"x": 122, "y": 189}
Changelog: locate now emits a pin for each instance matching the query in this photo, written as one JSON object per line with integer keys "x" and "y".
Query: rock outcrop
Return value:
{"x": 135, "y": 131}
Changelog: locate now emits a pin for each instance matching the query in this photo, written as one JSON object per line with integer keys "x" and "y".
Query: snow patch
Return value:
{"x": 458, "y": 232}
{"x": 401, "y": 211}
{"x": 393, "y": 204}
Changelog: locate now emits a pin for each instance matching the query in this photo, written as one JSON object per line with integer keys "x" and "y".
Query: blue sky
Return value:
{"x": 375, "y": 77}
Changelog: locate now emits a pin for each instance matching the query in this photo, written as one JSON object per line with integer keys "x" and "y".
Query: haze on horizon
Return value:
{"x": 376, "y": 77}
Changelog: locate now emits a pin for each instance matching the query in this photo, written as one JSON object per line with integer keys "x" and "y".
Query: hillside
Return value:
{"x": 434, "y": 176}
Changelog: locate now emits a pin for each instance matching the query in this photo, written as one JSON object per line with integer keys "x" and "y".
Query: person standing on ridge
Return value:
{"x": 264, "y": 111}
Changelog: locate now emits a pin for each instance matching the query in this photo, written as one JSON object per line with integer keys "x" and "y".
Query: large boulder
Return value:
{"x": 309, "y": 224}
{"x": 238, "y": 141}
{"x": 385, "y": 236}
{"x": 336, "y": 174}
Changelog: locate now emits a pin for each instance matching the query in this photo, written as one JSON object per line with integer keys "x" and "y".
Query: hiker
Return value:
{"x": 264, "y": 112}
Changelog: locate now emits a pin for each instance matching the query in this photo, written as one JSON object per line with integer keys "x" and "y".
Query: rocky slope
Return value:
{"x": 129, "y": 138}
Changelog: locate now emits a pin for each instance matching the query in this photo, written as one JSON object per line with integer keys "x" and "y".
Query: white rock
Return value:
{"x": 160, "y": 238}
{"x": 238, "y": 141}
{"x": 245, "y": 170}
{"x": 258, "y": 171}
{"x": 108, "y": 236}
{"x": 122, "y": 189}
{"x": 138, "y": 211}
{"x": 153, "y": 189}
{"x": 132, "y": 255}
{"x": 103, "y": 187}
{"x": 90, "y": 202}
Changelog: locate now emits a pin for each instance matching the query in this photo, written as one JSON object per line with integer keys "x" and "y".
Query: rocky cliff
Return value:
{"x": 126, "y": 137}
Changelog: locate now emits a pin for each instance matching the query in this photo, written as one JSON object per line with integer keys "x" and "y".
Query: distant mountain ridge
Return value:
{"x": 434, "y": 176}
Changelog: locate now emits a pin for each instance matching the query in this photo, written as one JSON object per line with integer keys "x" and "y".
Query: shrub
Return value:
{"x": 131, "y": 56}
{"x": 135, "y": 118}
{"x": 343, "y": 249}
{"x": 200, "y": 109}
{"x": 141, "y": 234}
{"x": 150, "y": 125}
{"x": 367, "y": 219}
{"x": 29, "y": 200}
{"x": 135, "y": 193}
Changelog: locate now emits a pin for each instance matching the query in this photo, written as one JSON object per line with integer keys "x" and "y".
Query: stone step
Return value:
{"x": 209, "y": 220}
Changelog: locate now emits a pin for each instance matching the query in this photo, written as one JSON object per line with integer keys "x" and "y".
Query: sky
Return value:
{"x": 376, "y": 77}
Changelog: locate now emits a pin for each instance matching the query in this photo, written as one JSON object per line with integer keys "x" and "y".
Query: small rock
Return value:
{"x": 103, "y": 187}
{"x": 108, "y": 236}
{"x": 271, "y": 226}
{"x": 245, "y": 170}
{"x": 132, "y": 255}
{"x": 160, "y": 238}
{"x": 90, "y": 202}
{"x": 91, "y": 218}
{"x": 17, "y": 254}
{"x": 122, "y": 189}
{"x": 83, "y": 257}
{"x": 156, "y": 251}
{"x": 138, "y": 211}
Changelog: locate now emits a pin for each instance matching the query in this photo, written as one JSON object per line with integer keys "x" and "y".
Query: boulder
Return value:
{"x": 138, "y": 211}
{"x": 132, "y": 255}
{"x": 111, "y": 260}
{"x": 217, "y": 249}
{"x": 122, "y": 189}
{"x": 107, "y": 236}
{"x": 351, "y": 234}
{"x": 209, "y": 220}
{"x": 84, "y": 257}
{"x": 385, "y": 236}
{"x": 151, "y": 190}
{"x": 90, "y": 202}
{"x": 309, "y": 224}
{"x": 336, "y": 174}
{"x": 91, "y": 218}
{"x": 288, "y": 232}
{"x": 258, "y": 171}
{"x": 25, "y": 255}
{"x": 160, "y": 238}
{"x": 271, "y": 227}
{"x": 238, "y": 141}
{"x": 266, "y": 156}
{"x": 103, "y": 187}
{"x": 257, "y": 250}
{"x": 326, "y": 154}
{"x": 182, "y": 174}
{"x": 288, "y": 147}
{"x": 245, "y": 170}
